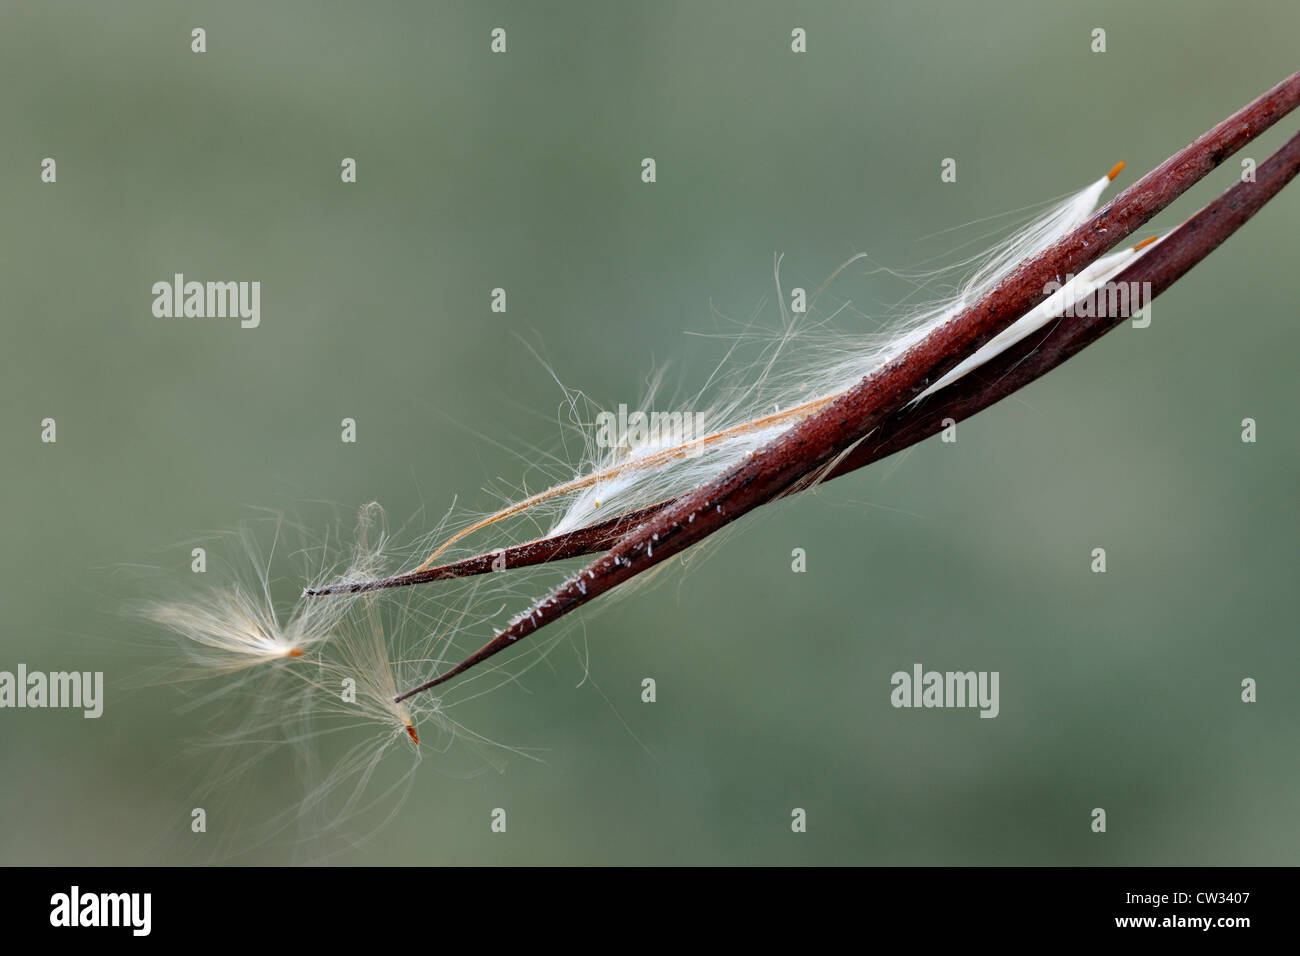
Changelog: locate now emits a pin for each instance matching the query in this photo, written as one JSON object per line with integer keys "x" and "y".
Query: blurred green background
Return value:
{"x": 475, "y": 171}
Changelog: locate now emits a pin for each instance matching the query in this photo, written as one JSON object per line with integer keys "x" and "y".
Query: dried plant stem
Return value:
{"x": 821, "y": 441}
{"x": 590, "y": 540}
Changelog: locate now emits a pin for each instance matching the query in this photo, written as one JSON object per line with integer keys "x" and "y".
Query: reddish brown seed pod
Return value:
{"x": 831, "y": 438}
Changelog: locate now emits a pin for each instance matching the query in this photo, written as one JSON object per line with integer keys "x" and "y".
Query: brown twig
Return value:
{"x": 816, "y": 443}
{"x": 592, "y": 539}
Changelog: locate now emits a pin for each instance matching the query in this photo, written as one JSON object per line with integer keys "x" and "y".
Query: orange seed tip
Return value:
{"x": 1116, "y": 170}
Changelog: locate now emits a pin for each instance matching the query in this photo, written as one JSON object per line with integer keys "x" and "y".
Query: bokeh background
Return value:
{"x": 1118, "y": 690}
